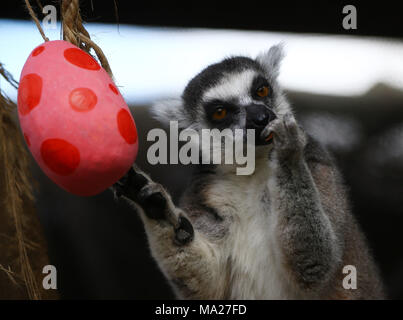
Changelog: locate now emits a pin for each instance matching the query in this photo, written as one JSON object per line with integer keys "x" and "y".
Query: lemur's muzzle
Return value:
{"x": 257, "y": 118}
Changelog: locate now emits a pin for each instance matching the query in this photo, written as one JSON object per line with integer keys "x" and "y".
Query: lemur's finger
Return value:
{"x": 184, "y": 232}
{"x": 266, "y": 134}
{"x": 130, "y": 184}
{"x": 291, "y": 125}
{"x": 117, "y": 192}
{"x": 153, "y": 203}
{"x": 271, "y": 130}
{"x": 137, "y": 180}
{"x": 279, "y": 133}
{"x": 157, "y": 206}
{"x": 120, "y": 187}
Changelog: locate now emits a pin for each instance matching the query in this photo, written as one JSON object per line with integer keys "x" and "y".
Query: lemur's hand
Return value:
{"x": 152, "y": 198}
{"x": 139, "y": 188}
{"x": 288, "y": 138}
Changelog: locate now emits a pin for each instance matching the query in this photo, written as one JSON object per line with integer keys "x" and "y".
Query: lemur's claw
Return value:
{"x": 184, "y": 232}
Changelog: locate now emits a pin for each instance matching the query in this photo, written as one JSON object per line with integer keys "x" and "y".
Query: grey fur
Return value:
{"x": 271, "y": 60}
{"x": 284, "y": 232}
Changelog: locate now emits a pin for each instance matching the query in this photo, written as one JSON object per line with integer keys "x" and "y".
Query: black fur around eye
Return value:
{"x": 261, "y": 88}
{"x": 220, "y": 112}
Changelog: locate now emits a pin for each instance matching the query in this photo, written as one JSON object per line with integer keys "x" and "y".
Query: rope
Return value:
{"x": 75, "y": 33}
{"x": 16, "y": 182}
{"x": 34, "y": 17}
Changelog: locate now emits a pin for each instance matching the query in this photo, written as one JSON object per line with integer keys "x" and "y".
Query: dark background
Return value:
{"x": 375, "y": 18}
{"x": 100, "y": 249}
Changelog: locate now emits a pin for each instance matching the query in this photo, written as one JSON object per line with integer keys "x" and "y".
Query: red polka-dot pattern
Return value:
{"x": 29, "y": 93}
{"x": 81, "y": 59}
{"x": 74, "y": 120}
{"x": 60, "y": 156}
{"x": 82, "y": 99}
{"x": 38, "y": 51}
{"x": 126, "y": 126}
{"x": 113, "y": 88}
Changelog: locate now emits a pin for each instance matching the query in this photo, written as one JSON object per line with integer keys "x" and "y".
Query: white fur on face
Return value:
{"x": 233, "y": 86}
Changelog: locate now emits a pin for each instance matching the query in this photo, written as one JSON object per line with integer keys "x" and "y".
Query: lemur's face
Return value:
{"x": 234, "y": 94}
{"x": 237, "y": 93}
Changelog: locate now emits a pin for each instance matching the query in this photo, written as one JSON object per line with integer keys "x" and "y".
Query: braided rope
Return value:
{"x": 75, "y": 33}
{"x": 34, "y": 17}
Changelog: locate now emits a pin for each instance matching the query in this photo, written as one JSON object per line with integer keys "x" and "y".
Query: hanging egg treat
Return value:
{"x": 74, "y": 120}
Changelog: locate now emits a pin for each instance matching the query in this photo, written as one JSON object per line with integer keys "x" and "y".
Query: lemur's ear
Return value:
{"x": 169, "y": 110}
{"x": 271, "y": 60}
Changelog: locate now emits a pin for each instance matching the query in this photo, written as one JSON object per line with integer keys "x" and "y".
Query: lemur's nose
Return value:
{"x": 261, "y": 119}
{"x": 258, "y": 115}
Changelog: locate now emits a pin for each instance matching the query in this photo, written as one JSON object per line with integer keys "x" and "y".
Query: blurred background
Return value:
{"x": 346, "y": 87}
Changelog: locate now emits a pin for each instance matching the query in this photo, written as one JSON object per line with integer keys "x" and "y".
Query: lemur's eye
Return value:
{"x": 220, "y": 113}
{"x": 263, "y": 91}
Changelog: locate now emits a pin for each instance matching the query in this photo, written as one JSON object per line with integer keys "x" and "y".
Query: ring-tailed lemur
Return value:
{"x": 284, "y": 232}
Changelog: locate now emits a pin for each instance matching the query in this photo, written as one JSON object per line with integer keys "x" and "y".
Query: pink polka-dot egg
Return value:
{"x": 74, "y": 119}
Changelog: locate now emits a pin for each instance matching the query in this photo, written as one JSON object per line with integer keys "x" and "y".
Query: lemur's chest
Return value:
{"x": 250, "y": 246}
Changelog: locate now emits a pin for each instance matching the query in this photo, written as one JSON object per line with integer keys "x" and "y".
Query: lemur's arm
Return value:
{"x": 308, "y": 241}
{"x": 185, "y": 256}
